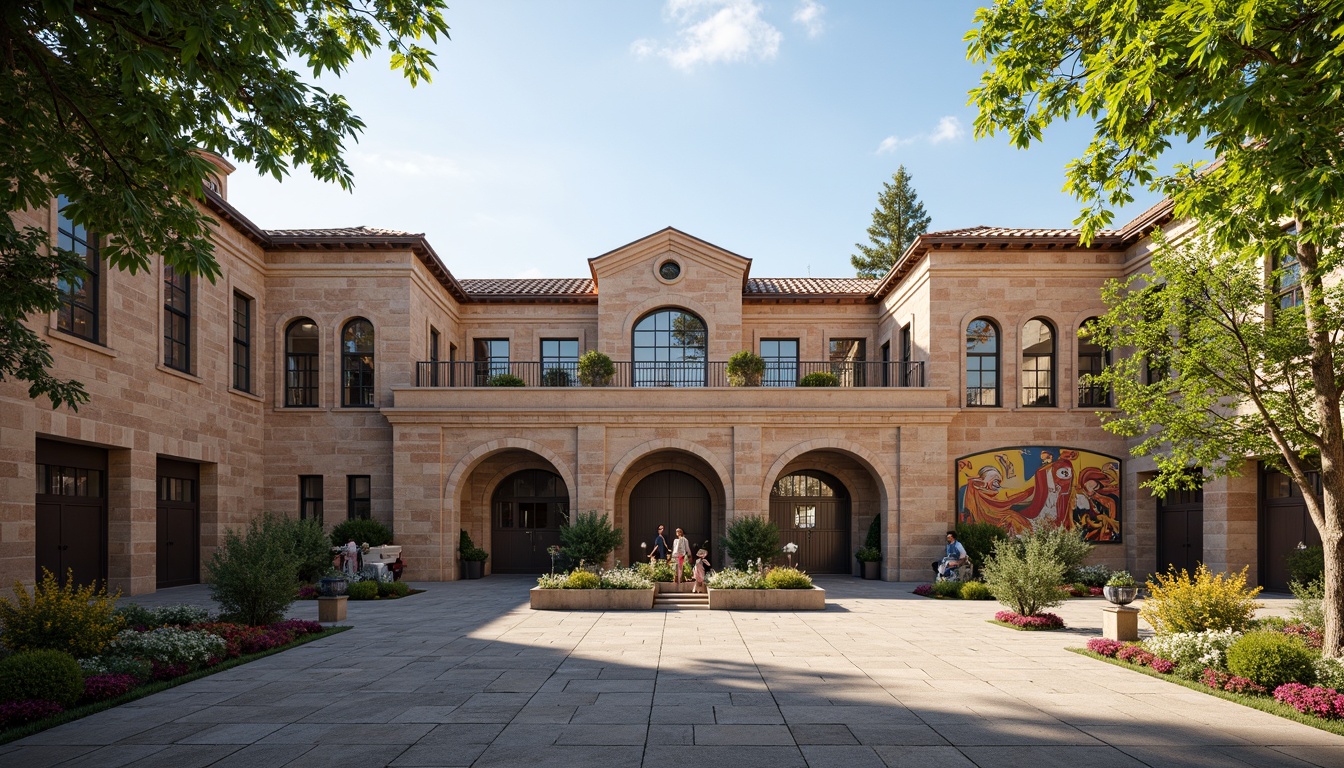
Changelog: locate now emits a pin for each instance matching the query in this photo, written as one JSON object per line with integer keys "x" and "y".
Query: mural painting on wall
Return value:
{"x": 1025, "y": 487}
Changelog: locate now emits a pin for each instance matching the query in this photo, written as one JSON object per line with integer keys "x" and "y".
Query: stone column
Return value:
{"x": 923, "y": 506}
{"x": 18, "y": 486}
{"x": 1231, "y": 523}
{"x": 591, "y": 471}
{"x": 424, "y": 523}
{"x": 1140, "y": 525}
{"x": 132, "y": 521}
{"x": 744, "y": 498}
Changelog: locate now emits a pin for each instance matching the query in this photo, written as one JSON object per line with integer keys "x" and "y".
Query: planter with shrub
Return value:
{"x": 557, "y": 377}
{"x": 777, "y": 589}
{"x": 505, "y": 380}
{"x": 745, "y": 369}
{"x": 473, "y": 557}
{"x": 751, "y": 538}
{"x": 595, "y": 369}
{"x": 619, "y": 589}
{"x": 870, "y": 554}
{"x": 819, "y": 379}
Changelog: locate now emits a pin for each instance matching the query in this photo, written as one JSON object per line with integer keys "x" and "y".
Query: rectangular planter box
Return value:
{"x": 813, "y": 599}
{"x": 592, "y": 599}
{"x": 667, "y": 586}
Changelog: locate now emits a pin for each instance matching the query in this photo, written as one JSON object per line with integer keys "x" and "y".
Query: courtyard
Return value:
{"x": 466, "y": 675}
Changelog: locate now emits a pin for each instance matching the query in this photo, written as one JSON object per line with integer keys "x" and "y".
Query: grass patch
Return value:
{"x": 152, "y": 687}
{"x": 1262, "y": 703}
{"x": 1023, "y": 629}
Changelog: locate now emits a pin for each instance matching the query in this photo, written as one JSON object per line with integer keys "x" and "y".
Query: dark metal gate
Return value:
{"x": 1180, "y": 531}
{"x": 527, "y": 512}
{"x": 71, "y": 511}
{"x": 673, "y": 499}
{"x": 811, "y": 509}
{"x": 177, "y": 558}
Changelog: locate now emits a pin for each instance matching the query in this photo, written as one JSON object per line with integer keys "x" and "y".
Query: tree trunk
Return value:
{"x": 1332, "y": 541}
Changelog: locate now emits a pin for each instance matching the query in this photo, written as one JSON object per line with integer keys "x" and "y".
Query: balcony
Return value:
{"x": 680, "y": 375}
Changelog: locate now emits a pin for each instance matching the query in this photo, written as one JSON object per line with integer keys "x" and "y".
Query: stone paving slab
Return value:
{"x": 466, "y": 675}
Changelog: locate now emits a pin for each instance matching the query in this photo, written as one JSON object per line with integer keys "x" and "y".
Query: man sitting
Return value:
{"x": 953, "y": 558}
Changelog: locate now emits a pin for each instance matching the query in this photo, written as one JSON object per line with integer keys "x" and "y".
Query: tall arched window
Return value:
{"x": 1038, "y": 363}
{"x": 982, "y": 363}
{"x": 301, "y": 347}
{"x": 1092, "y": 359}
{"x": 357, "y": 364}
{"x": 670, "y": 349}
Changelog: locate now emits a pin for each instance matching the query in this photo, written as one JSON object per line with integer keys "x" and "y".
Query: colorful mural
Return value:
{"x": 1029, "y": 486}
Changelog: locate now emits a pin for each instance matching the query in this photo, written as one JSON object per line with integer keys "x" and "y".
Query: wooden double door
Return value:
{"x": 812, "y": 510}
{"x": 672, "y": 499}
{"x": 178, "y": 530}
{"x": 1284, "y": 525}
{"x": 71, "y": 512}
{"x": 528, "y": 510}
{"x": 1180, "y": 531}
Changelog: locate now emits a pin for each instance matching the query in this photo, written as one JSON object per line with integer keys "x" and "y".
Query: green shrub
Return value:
{"x": 595, "y": 369}
{"x": 868, "y": 555}
{"x": 80, "y": 621}
{"x": 392, "y": 588}
{"x": 947, "y": 589}
{"x": 733, "y": 578}
{"x": 745, "y": 369}
{"x": 253, "y": 572}
{"x": 978, "y": 539}
{"x": 165, "y": 615}
{"x": 820, "y": 379}
{"x": 1093, "y": 575}
{"x": 1329, "y": 672}
{"x": 311, "y": 553}
{"x": 363, "y": 590}
{"x": 787, "y": 578}
{"x": 625, "y": 578}
{"x": 556, "y": 377}
{"x": 974, "y": 590}
{"x": 582, "y": 580}
{"x": 659, "y": 570}
{"x": 751, "y": 537}
{"x": 1271, "y": 659}
{"x": 1024, "y": 576}
{"x": 1178, "y": 602}
{"x": 874, "y": 538}
{"x": 590, "y": 539}
{"x": 44, "y": 675}
{"x": 468, "y": 549}
{"x": 505, "y": 380}
{"x": 1063, "y": 545}
{"x": 370, "y": 532}
{"x": 1310, "y": 605}
{"x": 1306, "y": 565}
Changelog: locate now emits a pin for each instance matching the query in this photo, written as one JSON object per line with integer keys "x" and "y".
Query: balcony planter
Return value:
{"x": 591, "y": 599}
{"x": 1120, "y": 595}
{"x": 595, "y": 369}
{"x": 813, "y": 599}
{"x": 745, "y": 369}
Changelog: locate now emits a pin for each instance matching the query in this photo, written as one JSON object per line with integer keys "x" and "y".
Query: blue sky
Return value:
{"x": 554, "y": 132}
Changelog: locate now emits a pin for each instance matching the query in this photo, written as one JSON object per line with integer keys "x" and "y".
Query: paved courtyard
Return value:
{"x": 466, "y": 675}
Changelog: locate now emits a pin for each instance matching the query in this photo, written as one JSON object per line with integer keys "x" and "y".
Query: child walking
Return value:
{"x": 701, "y": 571}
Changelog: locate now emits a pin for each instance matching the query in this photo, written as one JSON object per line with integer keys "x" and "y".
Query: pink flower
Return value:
{"x": 19, "y": 712}
{"x": 1035, "y": 621}
{"x": 103, "y": 687}
{"x": 1104, "y": 646}
{"x": 1325, "y": 703}
{"x": 924, "y": 590}
{"x": 1161, "y": 665}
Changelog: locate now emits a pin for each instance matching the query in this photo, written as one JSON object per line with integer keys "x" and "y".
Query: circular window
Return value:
{"x": 670, "y": 270}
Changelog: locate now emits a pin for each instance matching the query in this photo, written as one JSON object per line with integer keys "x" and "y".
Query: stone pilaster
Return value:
{"x": 923, "y": 509}
{"x": 132, "y": 521}
{"x": 424, "y": 523}
{"x": 1231, "y": 520}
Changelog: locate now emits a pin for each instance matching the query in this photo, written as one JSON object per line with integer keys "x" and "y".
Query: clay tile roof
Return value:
{"x": 545, "y": 286}
{"x": 984, "y": 231}
{"x": 341, "y": 232}
{"x": 812, "y": 286}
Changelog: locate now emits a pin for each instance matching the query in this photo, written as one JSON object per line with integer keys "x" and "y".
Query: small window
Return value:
{"x": 1092, "y": 360}
{"x": 176, "y": 319}
{"x": 804, "y": 516}
{"x": 434, "y": 375}
{"x": 359, "y": 497}
{"x": 669, "y": 270}
{"x": 982, "y": 363}
{"x": 78, "y": 313}
{"x": 54, "y": 480}
{"x": 1038, "y": 364}
{"x": 905, "y": 352}
{"x": 491, "y": 359}
{"x": 357, "y": 358}
{"x": 1288, "y": 281}
{"x": 301, "y": 374}
{"x": 177, "y": 489}
{"x": 310, "y": 497}
{"x": 847, "y": 361}
{"x": 781, "y": 362}
{"x": 559, "y": 362}
{"x": 242, "y": 342}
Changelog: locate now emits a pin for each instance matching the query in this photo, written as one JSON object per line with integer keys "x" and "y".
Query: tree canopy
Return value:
{"x": 107, "y": 104}
{"x": 898, "y": 219}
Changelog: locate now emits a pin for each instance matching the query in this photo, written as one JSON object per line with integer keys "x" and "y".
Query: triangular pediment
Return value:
{"x": 670, "y": 242}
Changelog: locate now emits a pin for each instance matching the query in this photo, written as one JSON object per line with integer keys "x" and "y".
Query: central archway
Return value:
{"x": 527, "y": 511}
{"x": 811, "y": 509}
{"x": 671, "y": 498}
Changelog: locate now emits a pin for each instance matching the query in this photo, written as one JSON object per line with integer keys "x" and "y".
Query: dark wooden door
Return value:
{"x": 71, "y": 536}
{"x": 672, "y": 499}
{"x": 179, "y": 524}
{"x": 811, "y": 510}
{"x": 1180, "y": 531}
{"x": 527, "y": 512}
{"x": 1284, "y": 525}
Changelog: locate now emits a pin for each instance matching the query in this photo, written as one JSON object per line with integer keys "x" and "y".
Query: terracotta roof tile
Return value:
{"x": 984, "y": 231}
{"x": 545, "y": 286}
{"x": 338, "y": 232}
{"x": 811, "y": 286}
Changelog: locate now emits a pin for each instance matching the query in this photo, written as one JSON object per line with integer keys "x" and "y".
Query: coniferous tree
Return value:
{"x": 898, "y": 219}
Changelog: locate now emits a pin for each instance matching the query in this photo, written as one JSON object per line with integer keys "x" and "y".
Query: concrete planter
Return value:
{"x": 592, "y": 599}
{"x": 813, "y": 599}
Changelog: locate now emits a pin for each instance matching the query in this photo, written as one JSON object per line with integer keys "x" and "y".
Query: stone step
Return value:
{"x": 682, "y": 598}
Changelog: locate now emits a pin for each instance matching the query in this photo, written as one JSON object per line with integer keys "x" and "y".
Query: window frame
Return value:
{"x": 690, "y": 367}
{"x": 242, "y": 345}
{"x": 996, "y": 356}
{"x": 85, "y": 244}
{"x": 491, "y": 364}
{"x": 558, "y": 360}
{"x": 359, "y": 369}
{"x": 358, "y": 507}
{"x": 1096, "y": 363}
{"x": 851, "y": 371}
{"x": 777, "y": 364}
{"x": 1030, "y": 359}
{"x": 311, "y": 506}
{"x": 311, "y": 374}
{"x": 176, "y": 319}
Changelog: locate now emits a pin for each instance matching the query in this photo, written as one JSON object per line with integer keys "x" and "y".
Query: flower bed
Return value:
{"x": 554, "y": 599}
{"x": 1039, "y": 621}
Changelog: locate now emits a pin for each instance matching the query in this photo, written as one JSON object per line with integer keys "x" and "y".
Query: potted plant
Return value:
{"x": 333, "y": 584}
{"x": 556, "y": 377}
{"x": 869, "y": 557}
{"x": 505, "y": 380}
{"x": 1120, "y": 589}
{"x": 473, "y": 557}
{"x": 820, "y": 379}
{"x": 595, "y": 369}
{"x": 745, "y": 369}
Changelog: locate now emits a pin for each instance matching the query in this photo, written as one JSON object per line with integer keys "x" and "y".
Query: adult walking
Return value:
{"x": 659, "y": 551}
{"x": 681, "y": 552}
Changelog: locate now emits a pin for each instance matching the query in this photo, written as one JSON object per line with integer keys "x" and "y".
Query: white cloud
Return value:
{"x": 531, "y": 273}
{"x": 809, "y": 15}
{"x": 713, "y": 31}
{"x": 948, "y": 129}
{"x": 417, "y": 164}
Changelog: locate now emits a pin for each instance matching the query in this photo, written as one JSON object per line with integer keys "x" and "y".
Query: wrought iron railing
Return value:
{"x": 662, "y": 374}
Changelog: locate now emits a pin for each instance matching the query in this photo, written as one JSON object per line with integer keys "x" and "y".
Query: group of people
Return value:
{"x": 679, "y": 554}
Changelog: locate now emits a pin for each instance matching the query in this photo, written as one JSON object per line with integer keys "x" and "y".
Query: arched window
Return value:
{"x": 1092, "y": 359}
{"x": 1038, "y": 363}
{"x": 357, "y": 364}
{"x": 301, "y": 347}
{"x": 670, "y": 349}
{"x": 982, "y": 363}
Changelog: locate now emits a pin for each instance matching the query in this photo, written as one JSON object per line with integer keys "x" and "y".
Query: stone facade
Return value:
{"x": 437, "y": 450}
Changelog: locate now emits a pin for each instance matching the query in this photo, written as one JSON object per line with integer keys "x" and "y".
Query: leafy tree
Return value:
{"x": 898, "y": 219}
{"x": 1024, "y": 576}
{"x": 107, "y": 103}
{"x": 1258, "y": 84}
{"x": 749, "y": 538}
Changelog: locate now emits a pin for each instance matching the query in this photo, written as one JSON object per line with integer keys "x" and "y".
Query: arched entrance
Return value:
{"x": 812, "y": 510}
{"x": 527, "y": 511}
{"x": 671, "y": 498}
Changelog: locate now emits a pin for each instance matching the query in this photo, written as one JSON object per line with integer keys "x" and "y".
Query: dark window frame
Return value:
{"x": 176, "y": 319}
{"x": 557, "y": 359}
{"x": 663, "y": 355}
{"x": 242, "y": 341}
{"x": 310, "y": 504}
{"x": 781, "y": 369}
{"x": 850, "y": 370}
{"x": 73, "y": 237}
{"x": 357, "y": 506}
{"x": 358, "y": 366}
{"x": 488, "y": 361}
{"x": 302, "y": 373}
{"x": 975, "y": 394}
{"x": 1092, "y": 363}
{"x": 1042, "y": 396}
{"x": 905, "y": 353}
